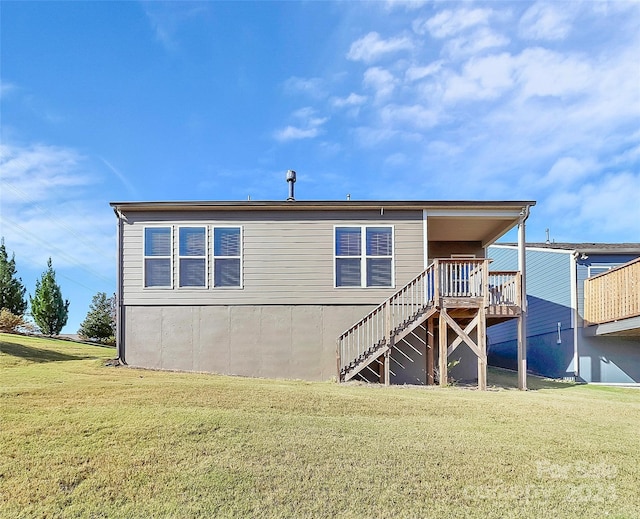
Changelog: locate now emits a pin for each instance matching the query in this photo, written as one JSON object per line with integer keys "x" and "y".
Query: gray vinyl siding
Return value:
{"x": 287, "y": 257}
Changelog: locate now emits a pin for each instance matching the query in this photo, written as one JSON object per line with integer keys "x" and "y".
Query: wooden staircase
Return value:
{"x": 447, "y": 284}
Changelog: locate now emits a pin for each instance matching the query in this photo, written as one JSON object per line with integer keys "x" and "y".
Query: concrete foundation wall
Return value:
{"x": 278, "y": 341}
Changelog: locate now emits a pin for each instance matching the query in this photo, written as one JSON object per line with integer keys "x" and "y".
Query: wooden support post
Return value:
{"x": 430, "y": 343}
{"x": 482, "y": 345}
{"x": 388, "y": 333}
{"x": 381, "y": 369}
{"x": 442, "y": 335}
{"x": 387, "y": 361}
{"x": 338, "y": 362}
{"x": 436, "y": 283}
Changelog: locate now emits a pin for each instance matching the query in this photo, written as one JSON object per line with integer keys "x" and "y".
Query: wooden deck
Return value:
{"x": 613, "y": 295}
{"x": 460, "y": 295}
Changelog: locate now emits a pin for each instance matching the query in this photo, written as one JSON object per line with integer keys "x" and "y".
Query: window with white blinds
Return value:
{"x": 192, "y": 250}
{"x": 157, "y": 257}
{"x": 364, "y": 256}
{"x": 227, "y": 257}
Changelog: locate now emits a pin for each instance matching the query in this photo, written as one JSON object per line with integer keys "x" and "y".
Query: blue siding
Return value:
{"x": 503, "y": 258}
{"x": 549, "y": 303}
{"x": 602, "y": 359}
{"x": 548, "y": 290}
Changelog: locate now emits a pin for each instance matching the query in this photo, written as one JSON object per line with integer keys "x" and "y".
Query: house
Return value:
{"x": 562, "y": 341}
{"x": 313, "y": 290}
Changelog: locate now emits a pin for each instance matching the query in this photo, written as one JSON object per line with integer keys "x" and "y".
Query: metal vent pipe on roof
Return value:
{"x": 291, "y": 179}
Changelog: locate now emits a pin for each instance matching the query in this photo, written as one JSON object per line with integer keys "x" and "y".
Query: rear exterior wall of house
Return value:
{"x": 284, "y": 318}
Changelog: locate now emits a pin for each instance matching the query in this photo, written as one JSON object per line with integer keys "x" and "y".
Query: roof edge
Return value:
{"x": 317, "y": 204}
{"x": 586, "y": 248}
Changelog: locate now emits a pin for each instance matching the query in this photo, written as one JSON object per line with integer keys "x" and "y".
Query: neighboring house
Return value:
{"x": 560, "y": 344}
{"x": 313, "y": 290}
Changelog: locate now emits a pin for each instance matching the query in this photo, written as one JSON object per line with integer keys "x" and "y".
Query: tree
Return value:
{"x": 12, "y": 291}
{"x": 49, "y": 311}
{"x": 99, "y": 322}
{"x": 10, "y": 323}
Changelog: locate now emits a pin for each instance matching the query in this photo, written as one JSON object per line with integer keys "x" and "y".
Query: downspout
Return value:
{"x": 522, "y": 323}
{"x": 425, "y": 241}
{"x": 119, "y": 306}
{"x": 574, "y": 313}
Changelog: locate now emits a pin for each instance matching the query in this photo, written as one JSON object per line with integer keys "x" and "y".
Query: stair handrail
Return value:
{"x": 416, "y": 295}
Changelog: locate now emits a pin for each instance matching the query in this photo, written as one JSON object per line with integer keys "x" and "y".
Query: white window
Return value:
{"x": 594, "y": 270}
{"x": 192, "y": 256}
{"x": 158, "y": 266}
{"x": 227, "y": 257}
{"x": 364, "y": 256}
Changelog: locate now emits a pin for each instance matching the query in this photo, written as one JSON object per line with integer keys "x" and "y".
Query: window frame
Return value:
{"x": 603, "y": 268}
{"x": 364, "y": 256}
{"x": 214, "y": 257}
{"x": 205, "y": 257}
{"x": 169, "y": 257}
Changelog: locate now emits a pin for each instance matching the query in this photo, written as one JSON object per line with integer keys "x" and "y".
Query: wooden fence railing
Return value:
{"x": 613, "y": 295}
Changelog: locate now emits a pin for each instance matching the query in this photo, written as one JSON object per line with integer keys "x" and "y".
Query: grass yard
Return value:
{"x": 80, "y": 439}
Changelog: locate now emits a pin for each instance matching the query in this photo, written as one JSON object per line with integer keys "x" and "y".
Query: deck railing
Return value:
{"x": 613, "y": 295}
{"x": 444, "y": 278}
{"x": 461, "y": 278}
{"x": 504, "y": 288}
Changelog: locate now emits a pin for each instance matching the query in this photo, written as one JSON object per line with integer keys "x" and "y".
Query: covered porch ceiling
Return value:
{"x": 480, "y": 226}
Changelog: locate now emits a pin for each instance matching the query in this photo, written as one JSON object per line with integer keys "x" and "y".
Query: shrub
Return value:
{"x": 11, "y": 323}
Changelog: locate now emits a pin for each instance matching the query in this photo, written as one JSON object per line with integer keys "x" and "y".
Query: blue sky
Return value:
{"x": 116, "y": 101}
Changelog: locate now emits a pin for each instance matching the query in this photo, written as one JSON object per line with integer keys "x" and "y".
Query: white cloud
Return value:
{"x": 397, "y": 160}
{"x": 544, "y": 21}
{"x": 414, "y": 73}
{"x": 6, "y": 88}
{"x": 167, "y": 19}
{"x": 474, "y": 43}
{"x": 313, "y": 87}
{"x": 449, "y": 23}
{"x": 546, "y": 73}
{"x": 309, "y": 126}
{"x": 605, "y": 208}
{"x": 416, "y": 116}
{"x": 368, "y": 137}
{"x": 566, "y": 172}
{"x": 44, "y": 211}
{"x": 381, "y": 81}
{"x": 536, "y": 72}
{"x": 39, "y": 171}
{"x": 351, "y": 100}
{"x": 482, "y": 78}
{"x": 409, "y": 5}
{"x": 371, "y": 47}
{"x": 292, "y": 133}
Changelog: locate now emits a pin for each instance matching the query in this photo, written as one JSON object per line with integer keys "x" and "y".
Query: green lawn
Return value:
{"x": 80, "y": 439}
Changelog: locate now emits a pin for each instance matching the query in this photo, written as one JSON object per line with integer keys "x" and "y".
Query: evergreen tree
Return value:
{"x": 12, "y": 291}
{"x": 99, "y": 322}
{"x": 47, "y": 307}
